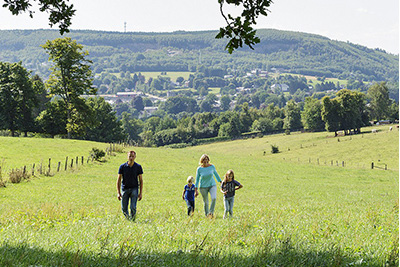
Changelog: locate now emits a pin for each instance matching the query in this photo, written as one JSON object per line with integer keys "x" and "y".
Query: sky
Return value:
{"x": 370, "y": 23}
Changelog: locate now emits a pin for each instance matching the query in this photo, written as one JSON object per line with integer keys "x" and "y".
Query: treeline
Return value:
{"x": 178, "y": 121}
{"x": 30, "y": 111}
{"x": 293, "y": 52}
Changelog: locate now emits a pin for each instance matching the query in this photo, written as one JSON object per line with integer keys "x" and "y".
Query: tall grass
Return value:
{"x": 287, "y": 214}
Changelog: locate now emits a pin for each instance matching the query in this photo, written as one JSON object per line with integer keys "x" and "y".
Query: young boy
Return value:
{"x": 189, "y": 193}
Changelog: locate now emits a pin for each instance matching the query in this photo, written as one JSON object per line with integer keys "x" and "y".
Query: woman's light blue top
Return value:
{"x": 205, "y": 176}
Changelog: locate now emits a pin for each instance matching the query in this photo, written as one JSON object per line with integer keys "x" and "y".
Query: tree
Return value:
{"x": 17, "y": 98}
{"x": 137, "y": 103}
{"x": 292, "y": 116}
{"x": 311, "y": 115}
{"x": 331, "y": 114}
{"x": 107, "y": 127}
{"x": 70, "y": 78}
{"x": 352, "y": 109}
{"x": 53, "y": 119}
{"x": 378, "y": 95}
{"x": 225, "y": 102}
{"x": 132, "y": 127}
{"x": 238, "y": 30}
{"x": 177, "y": 104}
{"x": 60, "y": 12}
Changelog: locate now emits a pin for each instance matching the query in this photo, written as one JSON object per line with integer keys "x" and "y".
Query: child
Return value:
{"x": 189, "y": 193}
{"x": 228, "y": 187}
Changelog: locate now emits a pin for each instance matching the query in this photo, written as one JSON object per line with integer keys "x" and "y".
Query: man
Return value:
{"x": 130, "y": 185}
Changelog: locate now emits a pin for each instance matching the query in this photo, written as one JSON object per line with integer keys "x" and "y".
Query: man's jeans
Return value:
{"x": 228, "y": 205}
{"x": 132, "y": 195}
{"x": 213, "y": 193}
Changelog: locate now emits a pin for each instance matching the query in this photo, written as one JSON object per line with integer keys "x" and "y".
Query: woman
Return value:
{"x": 205, "y": 181}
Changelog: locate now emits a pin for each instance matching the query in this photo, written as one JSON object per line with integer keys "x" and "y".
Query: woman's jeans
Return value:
{"x": 213, "y": 193}
{"x": 132, "y": 195}
{"x": 228, "y": 205}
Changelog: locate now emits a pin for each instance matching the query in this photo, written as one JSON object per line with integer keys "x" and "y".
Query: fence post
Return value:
{"x": 40, "y": 170}
{"x": 372, "y": 165}
{"x": 66, "y": 163}
{"x": 385, "y": 167}
{"x": 72, "y": 163}
{"x": 49, "y": 165}
{"x": 82, "y": 160}
{"x": 33, "y": 169}
{"x": 76, "y": 161}
{"x": 342, "y": 163}
{"x": 58, "y": 168}
{"x": 24, "y": 170}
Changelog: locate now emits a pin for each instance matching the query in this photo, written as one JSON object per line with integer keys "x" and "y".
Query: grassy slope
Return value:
{"x": 288, "y": 213}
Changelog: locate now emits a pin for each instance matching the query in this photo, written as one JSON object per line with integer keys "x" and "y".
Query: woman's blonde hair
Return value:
{"x": 202, "y": 158}
{"x": 229, "y": 172}
{"x": 190, "y": 178}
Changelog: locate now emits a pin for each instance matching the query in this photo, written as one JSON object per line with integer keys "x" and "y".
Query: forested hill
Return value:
{"x": 294, "y": 52}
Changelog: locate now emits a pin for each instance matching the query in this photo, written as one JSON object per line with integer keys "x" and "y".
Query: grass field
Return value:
{"x": 172, "y": 74}
{"x": 290, "y": 212}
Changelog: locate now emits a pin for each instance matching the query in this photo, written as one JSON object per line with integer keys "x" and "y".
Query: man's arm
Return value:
{"x": 119, "y": 180}
{"x": 141, "y": 187}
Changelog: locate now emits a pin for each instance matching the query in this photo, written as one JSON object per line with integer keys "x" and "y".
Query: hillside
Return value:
{"x": 293, "y": 52}
{"x": 289, "y": 213}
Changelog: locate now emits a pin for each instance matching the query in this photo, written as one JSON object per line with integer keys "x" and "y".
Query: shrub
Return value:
{"x": 18, "y": 175}
{"x": 97, "y": 154}
{"x": 274, "y": 149}
{"x": 118, "y": 148}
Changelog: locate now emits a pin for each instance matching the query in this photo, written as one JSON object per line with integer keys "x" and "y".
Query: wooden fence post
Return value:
{"x": 33, "y": 169}
{"x": 82, "y": 160}
{"x": 58, "y": 168}
{"x": 72, "y": 163}
{"x": 76, "y": 161}
{"x": 66, "y": 163}
{"x": 49, "y": 165}
{"x": 372, "y": 165}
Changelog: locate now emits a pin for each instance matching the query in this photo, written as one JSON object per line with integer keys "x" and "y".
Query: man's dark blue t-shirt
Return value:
{"x": 130, "y": 175}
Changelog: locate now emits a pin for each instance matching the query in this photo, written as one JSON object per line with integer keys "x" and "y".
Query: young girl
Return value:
{"x": 189, "y": 193}
{"x": 228, "y": 187}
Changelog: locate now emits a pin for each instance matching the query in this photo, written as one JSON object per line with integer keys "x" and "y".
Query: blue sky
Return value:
{"x": 371, "y": 23}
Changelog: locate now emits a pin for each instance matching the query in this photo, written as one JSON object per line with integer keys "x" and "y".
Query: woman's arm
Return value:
{"x": 216, "y": 175}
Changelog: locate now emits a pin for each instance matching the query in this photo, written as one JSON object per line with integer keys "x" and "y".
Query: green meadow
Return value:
{"x": 296, "y": 208}
{"x": 171, "y": 74}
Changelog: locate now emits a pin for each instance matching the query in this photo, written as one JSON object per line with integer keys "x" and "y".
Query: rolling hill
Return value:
{"x": 293, "y": 52}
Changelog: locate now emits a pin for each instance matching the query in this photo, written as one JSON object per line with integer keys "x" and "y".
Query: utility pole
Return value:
{"x": 125, "y": 27}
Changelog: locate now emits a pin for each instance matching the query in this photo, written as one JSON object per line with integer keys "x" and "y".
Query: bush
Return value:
{"x": 274, "y": 149}
{"x": 97, "y": 154}
{"x": 18, "y": 175}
